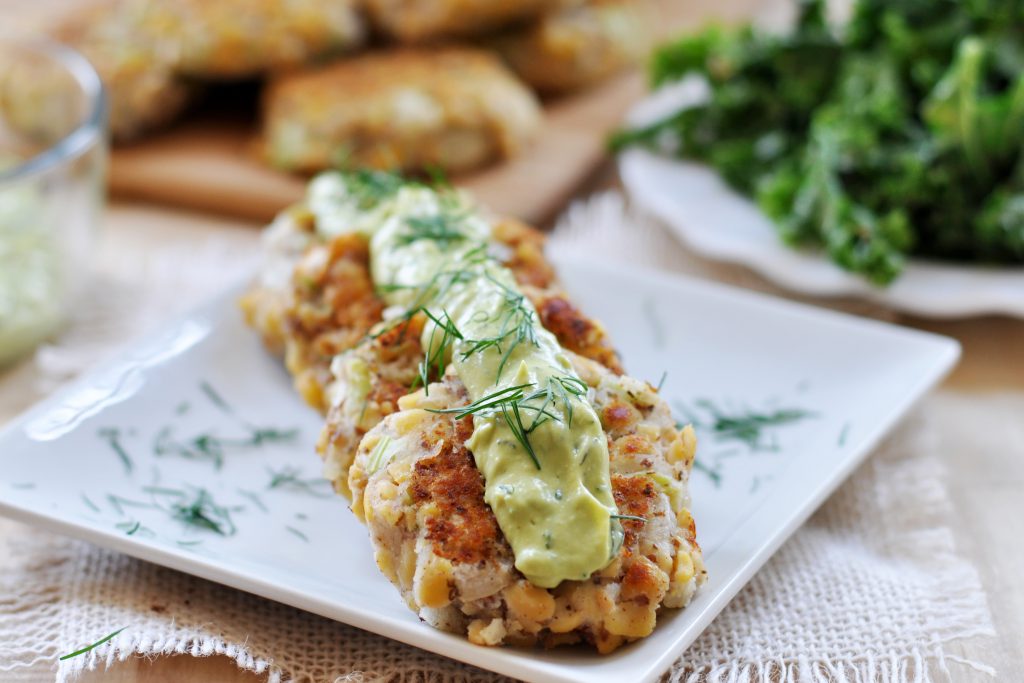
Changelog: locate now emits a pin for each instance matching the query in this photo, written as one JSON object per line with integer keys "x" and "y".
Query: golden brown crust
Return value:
{"x": 452, "y": 109}
{"x": 465, "y": 530}
{"x": 420, "y": 20}
{"x": 577, "y": 332}
{"x": 245, "y": 38}
{"x": 577, "y": 47}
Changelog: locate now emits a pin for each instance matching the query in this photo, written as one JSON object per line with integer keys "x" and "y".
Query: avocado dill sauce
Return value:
{"x": 537, "y": 440}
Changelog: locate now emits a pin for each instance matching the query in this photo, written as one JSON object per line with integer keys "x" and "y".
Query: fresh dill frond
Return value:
{"x": 747, "y": 426}
{"x": 370, "y": 188}
{"x": 255, "y": 499}
{"x": 437, "y": 353}
{"x": 89, "y": 504}
{"x": 441, "y": 228}
{"x": 131, "y": 528}
{"x": 203, "y": 512}
{"x": 215, "y": 398}
{"x": 490, "y": 402}
{"x": 298, "y": 533}
{"x": 120, "y": 502}
{"x": 291, "y": 478}
{"x": 518, "y": 326}
{"x": 514, "y": 420}
{"x": 112, "y": 436}
{"x": 845, "y": 432}
{"x": 95, "y": 645}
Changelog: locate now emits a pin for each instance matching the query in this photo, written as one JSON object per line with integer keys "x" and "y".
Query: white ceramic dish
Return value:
{"x": 206, "y": 374}
{"x": 719, "y": 223}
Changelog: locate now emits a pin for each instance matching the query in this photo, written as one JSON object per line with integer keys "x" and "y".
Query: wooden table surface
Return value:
{"x": 986, "y": 488}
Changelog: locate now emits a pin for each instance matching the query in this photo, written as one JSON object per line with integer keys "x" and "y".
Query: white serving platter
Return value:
{"x": 207, "y": 375}
{"x": 718, "y": 223}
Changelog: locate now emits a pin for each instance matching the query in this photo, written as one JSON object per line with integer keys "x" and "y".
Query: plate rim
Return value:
{"x": 992, "y": 300}
{"x": 507, "y": 661}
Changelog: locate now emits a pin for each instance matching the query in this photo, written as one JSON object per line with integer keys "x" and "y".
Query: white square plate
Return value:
{"x": 207, "y": 375}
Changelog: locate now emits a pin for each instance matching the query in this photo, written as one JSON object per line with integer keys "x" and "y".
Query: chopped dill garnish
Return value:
{"x": 845, "y": 432}
{"x": 113, "y": 437}
{"x": 511, "y": 402}
{"x": 518, "y": 326}
{"x": 23, "y": 485}
{"x": 89, "y": 504}
{"x": 120, "y": 502}
{"x": 182, "y": 408}
{"x": 99, "y": 642}
{"x": 438, "y": 353}
{"x": 661, "y": 382}
{"x": 291, "y": 478}
{"x": 631, "y": 518}
{"x": 189, "y": 544}
{"x": 202, "y": 512}
{"x": 298, "y": 533}
{"x": 215, "y": 398}
{"x": 255, "y": 499}
{"x": 129, "y": 528}
{"x": 747, "y": 426}
{"x": 212, "y": 448}
{"x": 371, "y": 188}
{"x": 442, "y": 228}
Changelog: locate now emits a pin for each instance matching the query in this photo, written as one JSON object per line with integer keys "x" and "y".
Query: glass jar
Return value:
{"x": 53, "y": 159}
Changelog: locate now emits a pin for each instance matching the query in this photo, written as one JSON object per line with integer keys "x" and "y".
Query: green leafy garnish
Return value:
{"x": 112, "y": 436}
{"x": 899, "y": 134}
{"x": 292, "y": 478}
{"x": 745, "y": 425}
{"x": 99, "y": 642}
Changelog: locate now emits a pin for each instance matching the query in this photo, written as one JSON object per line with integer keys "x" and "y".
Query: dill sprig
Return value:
{"x": 255, "y": 499}
{"x": 518, "y": 326}
{"x": 112, "y": 436}
{"x": 437, "y": 353}
{"x": 442, "y": 228}
{"x": 130, "y": 528}
{"x": 95, "y": 645}
{"x": 298, "y": 533}
{"x": 511, "y": 402}
{"x": 557, "y": 390}
{"x": 370, "y": 188}
{"x": 203, "y": 512}
{"x": 215, "y": 398}
{"x": 291, "y": 478}
{"x": 209, "y": 446}
{"x": 745, "y": 425}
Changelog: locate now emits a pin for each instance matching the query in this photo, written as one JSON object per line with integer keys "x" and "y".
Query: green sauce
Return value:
{"x": 537, "y": 440}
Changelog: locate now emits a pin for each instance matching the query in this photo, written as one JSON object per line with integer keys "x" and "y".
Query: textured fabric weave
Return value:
{"x": 871, "y": 588}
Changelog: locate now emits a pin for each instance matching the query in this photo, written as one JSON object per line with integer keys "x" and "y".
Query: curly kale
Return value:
{"x": 901, "y": 133}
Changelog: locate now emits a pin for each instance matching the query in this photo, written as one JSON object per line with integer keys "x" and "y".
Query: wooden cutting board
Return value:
{"x": 207, "y": 162}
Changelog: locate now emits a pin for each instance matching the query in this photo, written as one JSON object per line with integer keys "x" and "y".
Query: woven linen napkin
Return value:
{"x": 871, "y": 588}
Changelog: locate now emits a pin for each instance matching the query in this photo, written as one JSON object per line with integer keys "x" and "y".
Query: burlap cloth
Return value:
{"x": 871, "y": 588}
